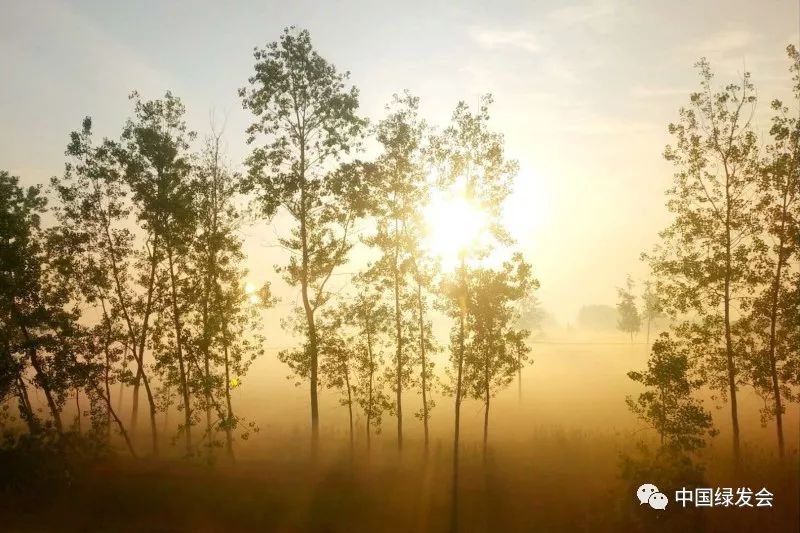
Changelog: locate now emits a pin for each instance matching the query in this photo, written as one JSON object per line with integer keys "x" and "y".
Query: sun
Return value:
{"x": 252, "y": 293}
{"x": 453, "y": 225}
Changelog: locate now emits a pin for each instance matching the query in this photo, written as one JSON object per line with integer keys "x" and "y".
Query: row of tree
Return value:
{"x": 139, "y": 283}
{"x": 727, "y": 267}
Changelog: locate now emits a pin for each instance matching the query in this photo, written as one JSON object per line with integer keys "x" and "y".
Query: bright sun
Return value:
{"x": 453, "y": 224}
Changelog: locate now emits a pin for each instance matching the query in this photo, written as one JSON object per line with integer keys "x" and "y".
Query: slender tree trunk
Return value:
{"x": 142, "y": 339}
{"x": 187, "y": 408}
{"x": 424, "y": 374}
{"x": 78, "y": 409}
{"x": 107, "y": 386}
{"x": 773, "y": 321}
{"x": 41, "y": 376}
{"x": 229, "y": 405}
{"x": 25, "y": 407}
{"x": 728, "y": 337}
{"x": 370, "y": 399}
{"x": 167, "y": 394}
{"x": 486, "y": 400}
{"x": 309, "y": 310}
{"x": 107, "y": 400}
{"x": 460, "y": 369}
{"x": 398, "y": 338}
{"x": 350, "y": 409}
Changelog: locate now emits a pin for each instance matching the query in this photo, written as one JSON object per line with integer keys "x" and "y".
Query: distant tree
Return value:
{"x": 469, "y": 157}
{"x": 703, "y": 264}
{"x": 651, "y": 308}
{"x": 531, "y": 318}
{"x": 597, "y": 317}
{"x": 496, "y": 347}
{"x": 306, "y": 119}
{"x": 772, "y": 316}
{"x": 667, "y": 406}
{"x": 629, "y": 320}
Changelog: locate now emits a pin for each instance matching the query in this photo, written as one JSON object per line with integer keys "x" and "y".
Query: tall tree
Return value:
{"x": 224, "y": 317}
{"x": 496, "y": 347}
{"x": 470, "y": 161}
{"x": 37, "y": 306}
{"x": 93, "y": 212}
{"x": 424, "y": 270}
{"x": 368, "y": 318}
{"x": 772, "y": 316}
{"x": 399, "y": 173}
{"x": 158, "y": 169}
{"x": 306, "y": 119}
{"x": 703, "y": 262}
{"x": 628, "y": 319}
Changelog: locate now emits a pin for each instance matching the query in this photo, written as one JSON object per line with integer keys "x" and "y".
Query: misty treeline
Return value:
{"x": 122, "y": 282}
{"x": 725, "y": 271}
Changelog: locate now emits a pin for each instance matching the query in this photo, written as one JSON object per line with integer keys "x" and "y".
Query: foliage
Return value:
{"x": 667, "y": 405}
{"x": 629, "y": 319}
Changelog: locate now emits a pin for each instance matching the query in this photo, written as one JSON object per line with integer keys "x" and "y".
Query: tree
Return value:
{"x": 397, "y": 193}
{"x": 336, "y": 368}
{"x": 32, "y": 309}
{"x": 530, "y": 318}
{"x": 306, "y": 119}
{"x": 651, "y": 308}
{"x": 628, "y": 320}
{"x": 772, "y": 314}
{"x": 470, "y": 161}
{"x": 703, "y": 263}
{"x": 667, "y": 406}
{"x": 158, "y": 169}
{"x": 92, "y": 212}
{"x": 424, "y": 269}
{"x": 369, "y": 317}
{"x": 224, "y": 316}
{"x": 496, "y": 348}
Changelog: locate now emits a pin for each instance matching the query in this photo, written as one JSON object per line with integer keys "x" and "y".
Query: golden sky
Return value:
{"x": 583, "y": 93}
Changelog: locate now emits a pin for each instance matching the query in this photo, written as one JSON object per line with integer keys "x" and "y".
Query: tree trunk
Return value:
{"x": 140, "y": 375}
{"x": 350, "y": 410}
{"x": 25, "y": 408}
{"x": 486, "y": 400}
{"x": 41, "y": 377}
{"x": 230, "y": 417}
{"x": 460, "y": 369}
{"x": 399, "y": 339}
{"x": 309, "y": 311}
{"x": 773, "y": 321}
{"x": 78, "y": 409}
{"x": 187, "y": 408}
{"x": 424, "y": 375}
{"x": 370, "y": 399}
{"x": 728, "y": 338}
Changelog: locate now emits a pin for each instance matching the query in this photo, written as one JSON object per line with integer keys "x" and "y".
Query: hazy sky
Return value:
{"x": 583, "y": 94}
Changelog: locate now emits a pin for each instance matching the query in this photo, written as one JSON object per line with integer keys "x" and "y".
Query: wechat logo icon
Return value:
{"x": 649, "y": 494}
